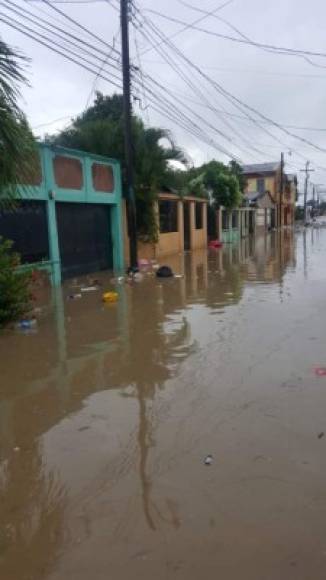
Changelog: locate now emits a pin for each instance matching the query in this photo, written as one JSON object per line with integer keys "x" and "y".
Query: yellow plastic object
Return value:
{"x": 110, "y": 296}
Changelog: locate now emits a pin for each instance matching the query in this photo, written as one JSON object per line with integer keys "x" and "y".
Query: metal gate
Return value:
{"x": 84, "y": 238}
{"x": 26, "y": 226}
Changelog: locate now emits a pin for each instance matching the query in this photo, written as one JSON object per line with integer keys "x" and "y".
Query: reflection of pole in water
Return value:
{"x": 144, "y": 440}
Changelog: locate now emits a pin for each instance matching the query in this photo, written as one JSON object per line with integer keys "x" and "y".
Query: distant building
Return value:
{"x": 263, "y": 191}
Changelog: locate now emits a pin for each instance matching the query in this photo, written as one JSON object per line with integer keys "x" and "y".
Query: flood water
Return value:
{"x": 107, "y": 413}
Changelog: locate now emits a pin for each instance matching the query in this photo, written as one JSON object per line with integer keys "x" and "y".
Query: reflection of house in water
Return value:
{"x": 130, "y": 351}
{"x": 267, "y": 258}
{"x": 133, "y": 347}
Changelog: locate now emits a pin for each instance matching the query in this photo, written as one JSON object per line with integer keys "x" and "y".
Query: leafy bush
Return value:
{"x": 14, "y": 286}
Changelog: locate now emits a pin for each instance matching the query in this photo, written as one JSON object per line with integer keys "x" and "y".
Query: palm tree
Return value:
{"x": 100, "y": 130}
{"x": 17, "y": 146}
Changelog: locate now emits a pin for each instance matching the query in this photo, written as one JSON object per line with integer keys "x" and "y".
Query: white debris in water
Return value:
{"x": 89, "y": 289}
{"x": 208, "y": 460}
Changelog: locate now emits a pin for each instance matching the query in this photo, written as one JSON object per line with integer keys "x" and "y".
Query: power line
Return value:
{"x": 30, "y": 17}
{"x": 47, "y": 124}
{"x": 187, "y": 25}
{"x": 70, "y": 1}
{"x": 193, "y": 87}
{"x": 279, "y": 49}
{"x": 34, "y": 35}
{"x": 99, "y": 71}
{"x": 243, "y": 118}
{"x": 238, "y": 103}
{"x": 250, "y": 71}
{"x": 181, "y": 73}
{"x": 30, "y": 30}
{"x": 190, "y": 65}
{"x": 241, "y": 34}
{"x": 12, "y": 24}
{"x": 79, "y": 25}
{"x": 141, "y": 73}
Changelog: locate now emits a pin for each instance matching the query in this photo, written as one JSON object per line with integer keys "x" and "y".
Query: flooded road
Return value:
{"x": 107, "y": 413}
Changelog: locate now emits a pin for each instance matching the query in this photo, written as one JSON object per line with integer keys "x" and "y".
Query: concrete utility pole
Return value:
{"x": 281, "y": 191}
{"x": 306, "y": 171}
{"x": 131, "y": 203}
{"x": 316, "y": 194}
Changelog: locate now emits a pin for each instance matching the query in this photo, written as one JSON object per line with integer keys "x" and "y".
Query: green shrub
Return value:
{"x": 14, "y": 286}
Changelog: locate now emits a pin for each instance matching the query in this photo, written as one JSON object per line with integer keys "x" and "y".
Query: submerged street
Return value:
{"x": 108, "y": 412}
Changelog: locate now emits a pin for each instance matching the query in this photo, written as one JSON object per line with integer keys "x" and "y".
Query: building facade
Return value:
{"x": 181, "y": 225}
{"x": 265, "y": 192}
{"x": 69, "y": 220}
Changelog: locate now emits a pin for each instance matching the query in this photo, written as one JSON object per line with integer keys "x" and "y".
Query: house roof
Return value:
{"x": 254, "y": 196}
{"x": 260, "y": 168}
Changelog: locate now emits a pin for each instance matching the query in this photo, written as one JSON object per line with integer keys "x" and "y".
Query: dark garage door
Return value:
{"x": 84, "y": 238}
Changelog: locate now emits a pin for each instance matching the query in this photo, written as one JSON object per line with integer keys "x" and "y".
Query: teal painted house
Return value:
{"x": 69, "y": 220}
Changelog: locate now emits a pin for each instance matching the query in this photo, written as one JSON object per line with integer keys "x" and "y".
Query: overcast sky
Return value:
{"x": 286, "y": 89}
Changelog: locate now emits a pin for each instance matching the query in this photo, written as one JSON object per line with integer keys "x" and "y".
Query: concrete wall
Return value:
{"x": 198, "y": 238}
{"x": 173, "y": 242}
{"x": 270, "y": 184}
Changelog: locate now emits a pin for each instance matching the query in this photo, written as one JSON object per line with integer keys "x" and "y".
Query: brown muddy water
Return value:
{"x": 107, "y": 414}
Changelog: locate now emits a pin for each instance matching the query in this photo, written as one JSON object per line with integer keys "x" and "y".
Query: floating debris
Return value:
{"x": 74, "y": 296}
{"x": 164, "y": 272}
{"x": 89, "y": 289}
{"x": 320, "y": 371}
{"x": 26, "y": 324}
{"x": 110, "y": 296}
{"x": 208, "y": 460}
{"x": 321, "y": 435}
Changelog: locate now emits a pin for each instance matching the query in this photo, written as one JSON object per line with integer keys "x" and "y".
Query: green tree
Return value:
{"x": 17, "y": 145}
{"x": 236, "y": 169}
{"x": 196, "y": 186}
{"x": 223, "y": 185}
{"x": 100, "y": 130}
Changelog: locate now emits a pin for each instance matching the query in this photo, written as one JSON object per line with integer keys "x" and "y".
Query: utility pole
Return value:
{"x": 131, "y": 203}
{"x": 306, "y": 171}
{"x": 281, "y": 190}
{"x": 316, "y": 194}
